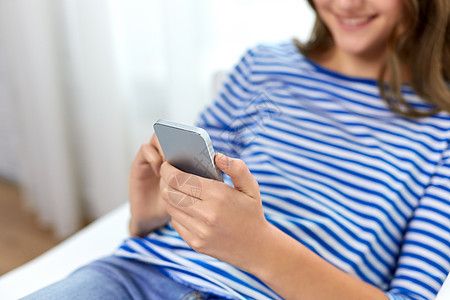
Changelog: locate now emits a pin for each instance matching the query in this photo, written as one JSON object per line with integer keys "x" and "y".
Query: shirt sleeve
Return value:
{"x": 231, "y": 118}
{"x": 424, "y": 260}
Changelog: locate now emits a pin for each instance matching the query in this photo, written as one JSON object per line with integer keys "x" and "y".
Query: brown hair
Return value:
{"x": 423, "y": 46}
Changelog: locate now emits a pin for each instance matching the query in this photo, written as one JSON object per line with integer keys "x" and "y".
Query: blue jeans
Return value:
{"x": 113, "y": 277}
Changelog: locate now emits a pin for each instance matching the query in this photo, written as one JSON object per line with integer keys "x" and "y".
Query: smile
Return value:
{"x": 355, "y": 22}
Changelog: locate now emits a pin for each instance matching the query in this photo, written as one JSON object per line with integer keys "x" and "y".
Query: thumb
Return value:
{"x": 240, "y": 175}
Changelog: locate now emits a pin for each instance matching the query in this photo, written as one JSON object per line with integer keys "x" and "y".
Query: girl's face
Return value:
{"x": 360, "y": 27}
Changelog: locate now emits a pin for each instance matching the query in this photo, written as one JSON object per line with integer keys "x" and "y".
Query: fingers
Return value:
{"x": 177, "y": 198}
{"x": 242, "y": 179}
{"x": 155, "y": 143}
{"x": 190, "y": 229}
{"x": 181, "y": 201}
{"x": 184, "y": 233}
{"x": 149, "y": 154}
{"x": 189, "y": 184}
{"x": 152, "y": 156}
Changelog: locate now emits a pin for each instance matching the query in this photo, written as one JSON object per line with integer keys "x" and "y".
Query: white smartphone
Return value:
{"x": 188, "y": 148}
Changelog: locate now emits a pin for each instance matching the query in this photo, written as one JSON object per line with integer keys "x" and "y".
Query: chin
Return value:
{"x": 355, "y": 52}
{"x": 357, "y": 49}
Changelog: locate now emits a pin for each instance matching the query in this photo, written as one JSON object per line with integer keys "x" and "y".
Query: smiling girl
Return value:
{"x": 340, "y": 183}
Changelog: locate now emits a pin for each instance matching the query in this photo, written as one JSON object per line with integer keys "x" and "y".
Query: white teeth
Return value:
{"x": 354, "y": 21}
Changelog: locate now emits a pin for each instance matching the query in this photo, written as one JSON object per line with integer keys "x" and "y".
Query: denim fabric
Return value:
{"x": 113, "y": 277}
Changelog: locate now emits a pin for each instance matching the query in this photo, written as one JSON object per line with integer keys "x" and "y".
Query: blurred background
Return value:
{"x": 83, "y": 81}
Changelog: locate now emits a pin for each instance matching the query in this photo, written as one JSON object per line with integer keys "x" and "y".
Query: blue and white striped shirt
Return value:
{"x": 367, "y": 190}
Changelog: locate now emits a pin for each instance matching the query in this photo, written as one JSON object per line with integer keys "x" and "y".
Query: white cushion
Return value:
{"x": 96, "y": 240}
{"x": 444, "y": 293}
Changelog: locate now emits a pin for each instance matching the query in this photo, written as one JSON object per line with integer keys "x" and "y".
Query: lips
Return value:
{"x": 355, "y": 22}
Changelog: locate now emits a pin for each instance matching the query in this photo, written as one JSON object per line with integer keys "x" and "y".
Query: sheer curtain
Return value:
{"x": 89, "y": 78}
{"x": 169, "y": 51}
{"x": 32, "y": 69}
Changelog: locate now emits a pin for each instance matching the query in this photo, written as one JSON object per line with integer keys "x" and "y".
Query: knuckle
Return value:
{"x": 143, "y": 146}
{"x": 142, "y": 149}
{"x": 164, "y": 192}
{"x": 204, "y": 233}
{"x": 212, "y": 220}
{"x": 197, "y": 244}
{"x": 148, "y": 153}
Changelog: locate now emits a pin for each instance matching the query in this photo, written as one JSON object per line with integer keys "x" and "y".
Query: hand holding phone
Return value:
{"x": 187, "y": 148}
{"x": 148, "y": 209}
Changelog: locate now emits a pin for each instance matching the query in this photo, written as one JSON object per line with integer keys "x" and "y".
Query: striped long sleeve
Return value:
{"x": 364, "y": 188}
{"x": 228, "y": 119}
{"x": 425, "y": 254}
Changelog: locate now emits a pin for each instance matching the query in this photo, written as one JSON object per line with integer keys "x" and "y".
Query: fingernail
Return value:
{"x": 224, "y": 160}
{"x": 220, "y": 156}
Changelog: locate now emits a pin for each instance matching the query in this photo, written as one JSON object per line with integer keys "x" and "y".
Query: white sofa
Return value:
{"x": 95, "y": 241}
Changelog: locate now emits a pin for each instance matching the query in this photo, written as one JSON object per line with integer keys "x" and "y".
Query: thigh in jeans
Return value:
{"x": 117, "y": 278}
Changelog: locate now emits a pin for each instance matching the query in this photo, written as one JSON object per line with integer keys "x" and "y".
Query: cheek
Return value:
{"x": 322, "y": 4}
{"x": 392, "y": 21}
{"x": 323, "y": 10}
{"x": 392, "y": 10}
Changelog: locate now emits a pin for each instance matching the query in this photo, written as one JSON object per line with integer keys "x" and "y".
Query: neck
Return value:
{"x": 367, "y": 66}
